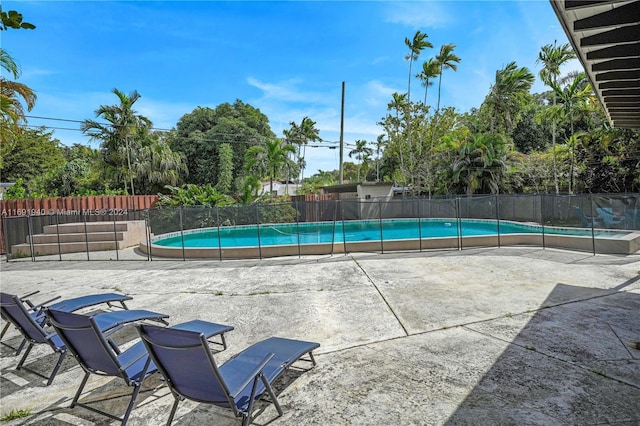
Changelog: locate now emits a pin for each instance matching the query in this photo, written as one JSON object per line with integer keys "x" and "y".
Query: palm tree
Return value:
{"x": 573, "y": 97}
{"x": 157, "y": 165}
{"x": 361, "y": 153}
{"x": 12, "y": 95}
{"x": 480, "y": 163}
{"x": 416, "y": 46}
{"x": 447, "y": 60}
{"x": 269, "y": 159}
{"x": 124, "y": 129}
{"x": 553, "y": 57}
{"x": 430, "y": 69}
{"x": 509, "y": 91}
{"x": 300, "y": 136}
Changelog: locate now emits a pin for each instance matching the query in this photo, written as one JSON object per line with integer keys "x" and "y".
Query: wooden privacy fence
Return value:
{"x": 93, "y": 206}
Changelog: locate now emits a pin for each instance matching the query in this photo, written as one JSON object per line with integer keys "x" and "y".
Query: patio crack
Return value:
{"x": 384, "y": 299}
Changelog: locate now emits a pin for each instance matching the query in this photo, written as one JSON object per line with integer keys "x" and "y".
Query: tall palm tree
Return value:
{"x": 573, "y": 99}
{"x": 430, "y": 70}
{"x": 416, "y": 46}
{"x": 509, "y": 91}
{"x": 552, "y": 57}
{"x": 361, "y": 153}
{"x": 300, "y": 136}
{"x": 12, "y": 96}
{"x": 124, "y": 129}
{"x": 447, "y": 60}
{"x": 269, "y": 159}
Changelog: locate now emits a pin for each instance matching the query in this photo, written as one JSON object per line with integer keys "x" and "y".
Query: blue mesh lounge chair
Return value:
{"x": 609, "y": 219}
{"x": 69, "y": 305}
{"x": 588, "y": 221}
{"x": 236, "y": 384}
{"x": 82, "y": 335}
{"x": 35, "y": 332}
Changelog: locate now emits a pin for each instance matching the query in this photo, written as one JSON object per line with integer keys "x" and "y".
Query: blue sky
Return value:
{"x": 288, "y": 59}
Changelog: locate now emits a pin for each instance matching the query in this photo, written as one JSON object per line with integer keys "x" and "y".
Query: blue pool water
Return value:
{"x": 349, "y": 231}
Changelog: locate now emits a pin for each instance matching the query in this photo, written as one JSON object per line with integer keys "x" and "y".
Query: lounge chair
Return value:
{"x": 587, "y": 221}
{"x": 68, "y": 305}
{"x": 34, "y": 332}
{"x": 82, "y": 335}
{"x": 236, "y": 384}
{"x": 609, "y": 219}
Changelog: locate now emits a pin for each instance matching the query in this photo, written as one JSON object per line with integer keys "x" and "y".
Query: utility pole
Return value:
{"x": 341, "y": 180}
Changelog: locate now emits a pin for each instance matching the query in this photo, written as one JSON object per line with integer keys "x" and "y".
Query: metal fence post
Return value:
{"x": 182, "y": 235}
{"x": 258, "y": 228}
{"x": 380, "y": 220}
{"x": 219, "y": 236}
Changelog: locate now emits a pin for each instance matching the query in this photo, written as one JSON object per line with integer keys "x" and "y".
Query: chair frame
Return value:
{"x": 254, "y": 377}
{"x": 77, "y": 303}
{"x": 33, "y": 330}
{"x": 92, "y": 326}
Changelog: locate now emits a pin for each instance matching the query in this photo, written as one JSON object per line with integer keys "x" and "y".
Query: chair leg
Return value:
{"x": 24, "y": 357}
{"x": 19, "y": 349}
{"x": 4, "y": 329}
{"x": 57, "y": 367}
{"x": 79, "y": 392}
{"x": 272, "y": 394}
{"x": 136, "y": 391}
{"x": 173, "y": 409}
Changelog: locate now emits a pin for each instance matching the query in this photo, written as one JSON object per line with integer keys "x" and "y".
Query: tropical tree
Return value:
{"x": 447, "y": 60}
{"x": 33, "y": 153}
{"x": 480, "y": 164}
{"x": 430, "y": 70}
{"x": 299, "y": 136}
{"x": 157, "y": 165}
{"x": 12, "y": 93}
{"x": 361, "y": 153}
{"x": 200, "y": 134}
{"x": 573, "y": 103}
{"x": 269, "y": 159}
{"x": 416, "y": 46}
{"x": 122, "y": 135}
{"x": 12, "y": 96}
{"x": 225, "y": 168}
{"x": 507, "y": 96}
{"x": 552, "y": 57}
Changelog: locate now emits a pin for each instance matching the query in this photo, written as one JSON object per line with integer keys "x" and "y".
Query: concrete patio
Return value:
{"x": 484, "y": 336}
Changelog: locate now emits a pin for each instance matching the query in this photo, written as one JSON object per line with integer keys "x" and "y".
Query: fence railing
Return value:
{"x": 593, "y": 223}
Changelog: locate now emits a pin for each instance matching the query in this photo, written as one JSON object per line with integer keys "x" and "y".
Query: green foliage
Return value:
{"x": 13, "y": 19}
{"x": 15, "y": 414}
{"x": 225, "y": 168}
{"x": 194, "y": 195}
{"x": 16, "y": 191}
{"x": 33, "y": 153}
{"x": 199, "y": 135}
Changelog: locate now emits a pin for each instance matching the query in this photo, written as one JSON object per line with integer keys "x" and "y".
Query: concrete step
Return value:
{"x": 72, "y": 238}
{"x": 80, "y": 237}
{"x": 77, "y": 228}
{"x": 22, "y": 250}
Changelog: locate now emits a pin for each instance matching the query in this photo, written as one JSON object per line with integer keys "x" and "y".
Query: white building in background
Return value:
{"x": 280, "y": 188}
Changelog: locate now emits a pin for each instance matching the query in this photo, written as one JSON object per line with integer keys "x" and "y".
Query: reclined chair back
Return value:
{"x": 84, "y": 339}
{"x": 172, "y": 349}
{"x": 14, "y": 311}
{"x": 95, "y": 355}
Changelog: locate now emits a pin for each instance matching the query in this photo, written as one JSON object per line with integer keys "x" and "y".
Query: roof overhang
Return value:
{"x": 605, "y": 35}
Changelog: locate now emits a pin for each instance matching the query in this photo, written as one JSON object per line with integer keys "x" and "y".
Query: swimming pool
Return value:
{"x": 366, "y": 235}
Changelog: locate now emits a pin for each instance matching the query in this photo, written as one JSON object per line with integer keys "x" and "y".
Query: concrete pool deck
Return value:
{"x": 480, "y": 336}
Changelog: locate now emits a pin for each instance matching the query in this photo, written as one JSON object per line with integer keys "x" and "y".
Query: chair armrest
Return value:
{"x": 251, "y": 376}
{"x": 40, "y": 305}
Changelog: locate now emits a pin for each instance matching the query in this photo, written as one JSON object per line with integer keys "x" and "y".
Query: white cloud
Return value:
{"x": 418, "y": 14}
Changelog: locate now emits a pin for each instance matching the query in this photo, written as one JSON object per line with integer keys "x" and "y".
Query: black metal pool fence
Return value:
{"x": 27, "y": 236}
